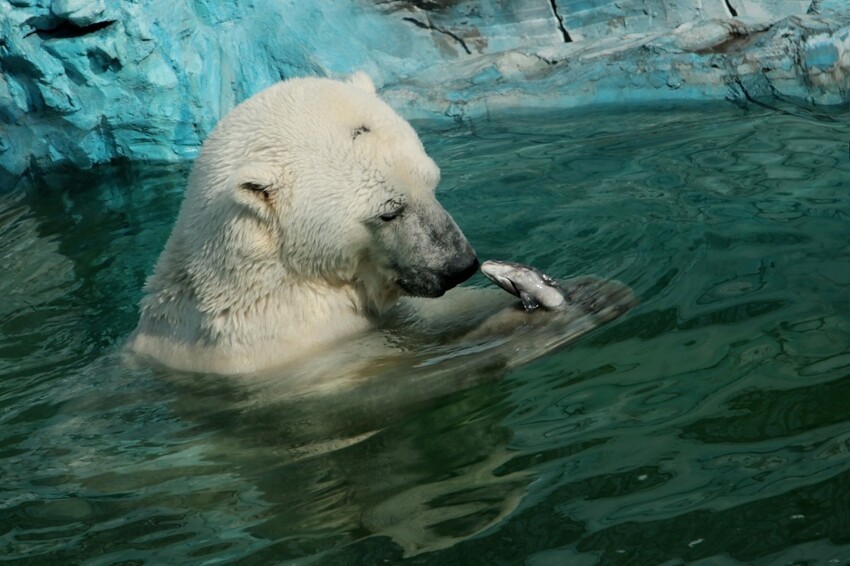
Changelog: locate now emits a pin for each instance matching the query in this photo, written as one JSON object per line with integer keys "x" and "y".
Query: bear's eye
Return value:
{"x": 358, "y": 131}
{"x": 389, "y": 215}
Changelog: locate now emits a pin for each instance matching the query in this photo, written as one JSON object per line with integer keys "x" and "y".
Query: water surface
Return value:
{"x": 709, "y": 424}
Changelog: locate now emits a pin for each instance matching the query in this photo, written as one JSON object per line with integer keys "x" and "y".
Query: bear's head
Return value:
{"x": 317, "y": 180}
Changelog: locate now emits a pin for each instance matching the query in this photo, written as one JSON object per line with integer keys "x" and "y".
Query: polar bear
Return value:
{"x": 309, "y": 212}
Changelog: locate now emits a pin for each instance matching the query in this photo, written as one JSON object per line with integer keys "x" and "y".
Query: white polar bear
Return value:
{"x": 309, "y": 212}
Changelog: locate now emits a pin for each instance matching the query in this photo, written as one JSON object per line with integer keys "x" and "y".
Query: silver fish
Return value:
{"x": 533, "y": 287}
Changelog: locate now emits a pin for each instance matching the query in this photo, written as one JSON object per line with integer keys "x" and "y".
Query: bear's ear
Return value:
{"x": 256, "y": 186}
{"x": 362, "y": 81}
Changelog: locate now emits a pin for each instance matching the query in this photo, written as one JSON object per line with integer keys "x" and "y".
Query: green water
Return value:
{"x": 710, "y": 425}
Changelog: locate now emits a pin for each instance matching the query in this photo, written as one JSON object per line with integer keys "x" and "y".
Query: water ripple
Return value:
{"x": 709, "y": 425}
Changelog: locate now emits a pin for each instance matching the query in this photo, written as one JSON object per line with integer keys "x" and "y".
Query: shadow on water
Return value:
{"x": 337, "y": 467}
{"x": 708, "y": 425}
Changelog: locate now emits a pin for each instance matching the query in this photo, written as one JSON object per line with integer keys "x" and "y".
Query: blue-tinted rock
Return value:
{"x": 88, "y": 81}
{"x": 81, "y": 13}
{"x": 714, "y": 59}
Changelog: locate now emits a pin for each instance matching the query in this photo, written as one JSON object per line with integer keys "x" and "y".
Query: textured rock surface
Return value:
{"x": 88, "y": 81}
{"x": 804, "y": 57}
{"x": 149, "y": 79}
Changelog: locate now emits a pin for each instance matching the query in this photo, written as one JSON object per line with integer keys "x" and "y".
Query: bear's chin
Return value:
{"x": 419, "y": 290}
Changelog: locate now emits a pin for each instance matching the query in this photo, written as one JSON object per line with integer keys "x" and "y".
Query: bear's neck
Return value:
{"x": 226, "y": 326}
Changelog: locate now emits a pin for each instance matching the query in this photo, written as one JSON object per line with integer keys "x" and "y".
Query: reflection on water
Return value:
{"x": 710, "y": 423}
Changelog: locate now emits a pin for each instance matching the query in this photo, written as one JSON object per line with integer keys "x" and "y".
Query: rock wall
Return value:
{"x": 804, "y": 57}
{"x": 89, "y": 81}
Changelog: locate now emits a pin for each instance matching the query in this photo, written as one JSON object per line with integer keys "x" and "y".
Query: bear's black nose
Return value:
{"x": 461, "y": 274}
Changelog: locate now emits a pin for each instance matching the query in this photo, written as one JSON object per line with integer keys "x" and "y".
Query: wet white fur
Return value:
{"x": 250, "y": 280}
